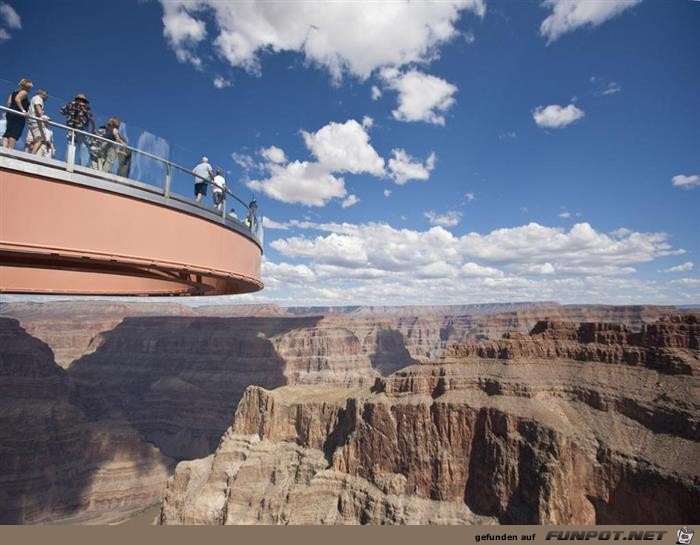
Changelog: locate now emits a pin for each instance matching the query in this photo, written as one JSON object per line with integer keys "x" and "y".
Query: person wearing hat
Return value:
{"x": 203, "y": 175}
{"x": 18, "y": 101}
{"x": 79, "y": 116}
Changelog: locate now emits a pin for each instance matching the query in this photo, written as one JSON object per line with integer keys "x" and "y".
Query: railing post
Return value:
{"x": 166, "y": 191}
{"x": 70, "y": 153}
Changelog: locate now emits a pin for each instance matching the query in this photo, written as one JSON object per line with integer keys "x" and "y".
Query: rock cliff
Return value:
{"x": 162, "y": 382}
{"x": 531, "y": 435}
{"x": 74, "y": 329}
{"x": 668, "y": 345}
{"x": 56, "y": 462}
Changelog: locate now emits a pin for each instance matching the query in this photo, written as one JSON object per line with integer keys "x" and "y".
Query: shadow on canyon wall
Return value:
{"x": 49, "y": 450}
{"x": 178, "y": 380}
{"x": 174, "y": 382}
{"x": 390, "y": 353}
{"x": 169, "y": 382}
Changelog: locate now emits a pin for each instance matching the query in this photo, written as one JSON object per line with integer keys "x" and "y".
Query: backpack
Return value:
{"x": 96, "y": 146}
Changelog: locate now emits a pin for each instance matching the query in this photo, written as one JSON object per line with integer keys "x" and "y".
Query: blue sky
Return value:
{"x": 412, "y": 153}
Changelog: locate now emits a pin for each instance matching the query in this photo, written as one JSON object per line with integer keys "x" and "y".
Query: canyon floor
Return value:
{"x": 481, "y": 414}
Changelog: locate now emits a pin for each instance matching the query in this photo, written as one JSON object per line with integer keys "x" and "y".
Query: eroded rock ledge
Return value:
{"x": 534, "y": 432}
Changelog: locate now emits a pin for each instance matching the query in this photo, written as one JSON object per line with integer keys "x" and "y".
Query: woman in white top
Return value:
{"x": 218, "y": 188}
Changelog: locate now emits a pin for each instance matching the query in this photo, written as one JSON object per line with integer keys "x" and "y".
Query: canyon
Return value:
{"x": 465, "y": 414}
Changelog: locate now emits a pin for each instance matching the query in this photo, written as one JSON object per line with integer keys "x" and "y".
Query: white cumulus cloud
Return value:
{"x": 421, "y": 97}
{"x": 269, "y": 223}
{"x": 530, "y": 249}
{"x": 183, "y": 31}
{"x": 447, "y": 219}
{"x": 350, "y": 201}
{"x": 685, "y": 267}
{"x": 277, "y": 274}
{"x": 300, "y": 182}
{"x": 404, "y": 168}
{"x": 568, "y": 15}
{"x": 10, "y": 16}
{"x": 686, "y": 182}
{"x": 243, "y": 160}
{"x": 345, "y": 147}
{"x": 274, "y": 154}
{"x": 338, "y": 148}
{"x": 555, "y": 116}
{"x": 383, "y": 33}
{"x": 221, "y": 82}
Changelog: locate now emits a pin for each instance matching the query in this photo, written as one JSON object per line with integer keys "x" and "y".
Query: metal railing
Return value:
{"x": 251, "y": 219}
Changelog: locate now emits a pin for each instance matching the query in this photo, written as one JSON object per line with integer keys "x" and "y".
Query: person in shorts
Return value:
{"x": 19, "y": 102}
{"x": 36, "y": 127}
{"x": 218, "y": 188}
{"x": 47, "y": 148}
{"x": 203, "y": 175}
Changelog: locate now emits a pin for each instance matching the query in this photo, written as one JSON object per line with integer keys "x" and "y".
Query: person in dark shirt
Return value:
{"x": 124, "y": 155}
{"x": 111, "y": 132}
{"x": 18, "y": 101}
{"x": 79, "y": 116}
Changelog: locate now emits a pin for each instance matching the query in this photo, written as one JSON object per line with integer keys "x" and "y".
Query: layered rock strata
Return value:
{"x": 532, "y": 438}
{"x": 669, "y": 345}
{"x": 163, "y": 381}
{"x": 75, "y": 329}
{"x": 56, "y": 462}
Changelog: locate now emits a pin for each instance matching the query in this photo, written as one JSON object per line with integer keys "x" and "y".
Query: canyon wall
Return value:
{"x": 56, "y": 460}
{"x": 135, "y": 387}
{"x": 528, "y": 438}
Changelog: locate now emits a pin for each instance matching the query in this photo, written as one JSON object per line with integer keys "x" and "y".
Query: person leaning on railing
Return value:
{"x": 79, "y": 116}
{"x": 218, "y": 188}
{"x": 124, "y": 155}
{"x": 18, "y": 101}
{"x": 35, "y": 127}
{"x": 108, "y": 152}
{"x": 203, "y": 175}
{"x": 252, "y": 217}
{"x": 47, "y": 148}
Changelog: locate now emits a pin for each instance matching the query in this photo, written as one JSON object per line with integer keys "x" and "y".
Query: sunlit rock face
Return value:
{"x": 572, "y": 424}
{"x": 100, "y": 393}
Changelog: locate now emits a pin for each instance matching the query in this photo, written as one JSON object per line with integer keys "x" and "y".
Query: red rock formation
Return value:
{"x": 529, "y": 437}
{"x": 667, "y": 345}
{"x": 175, "y": 381}
{"x": 57, "y": 463}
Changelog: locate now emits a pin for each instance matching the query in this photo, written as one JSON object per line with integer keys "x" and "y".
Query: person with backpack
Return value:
{"x": 111, "y": 132}
{"x": 18, "y": 101}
